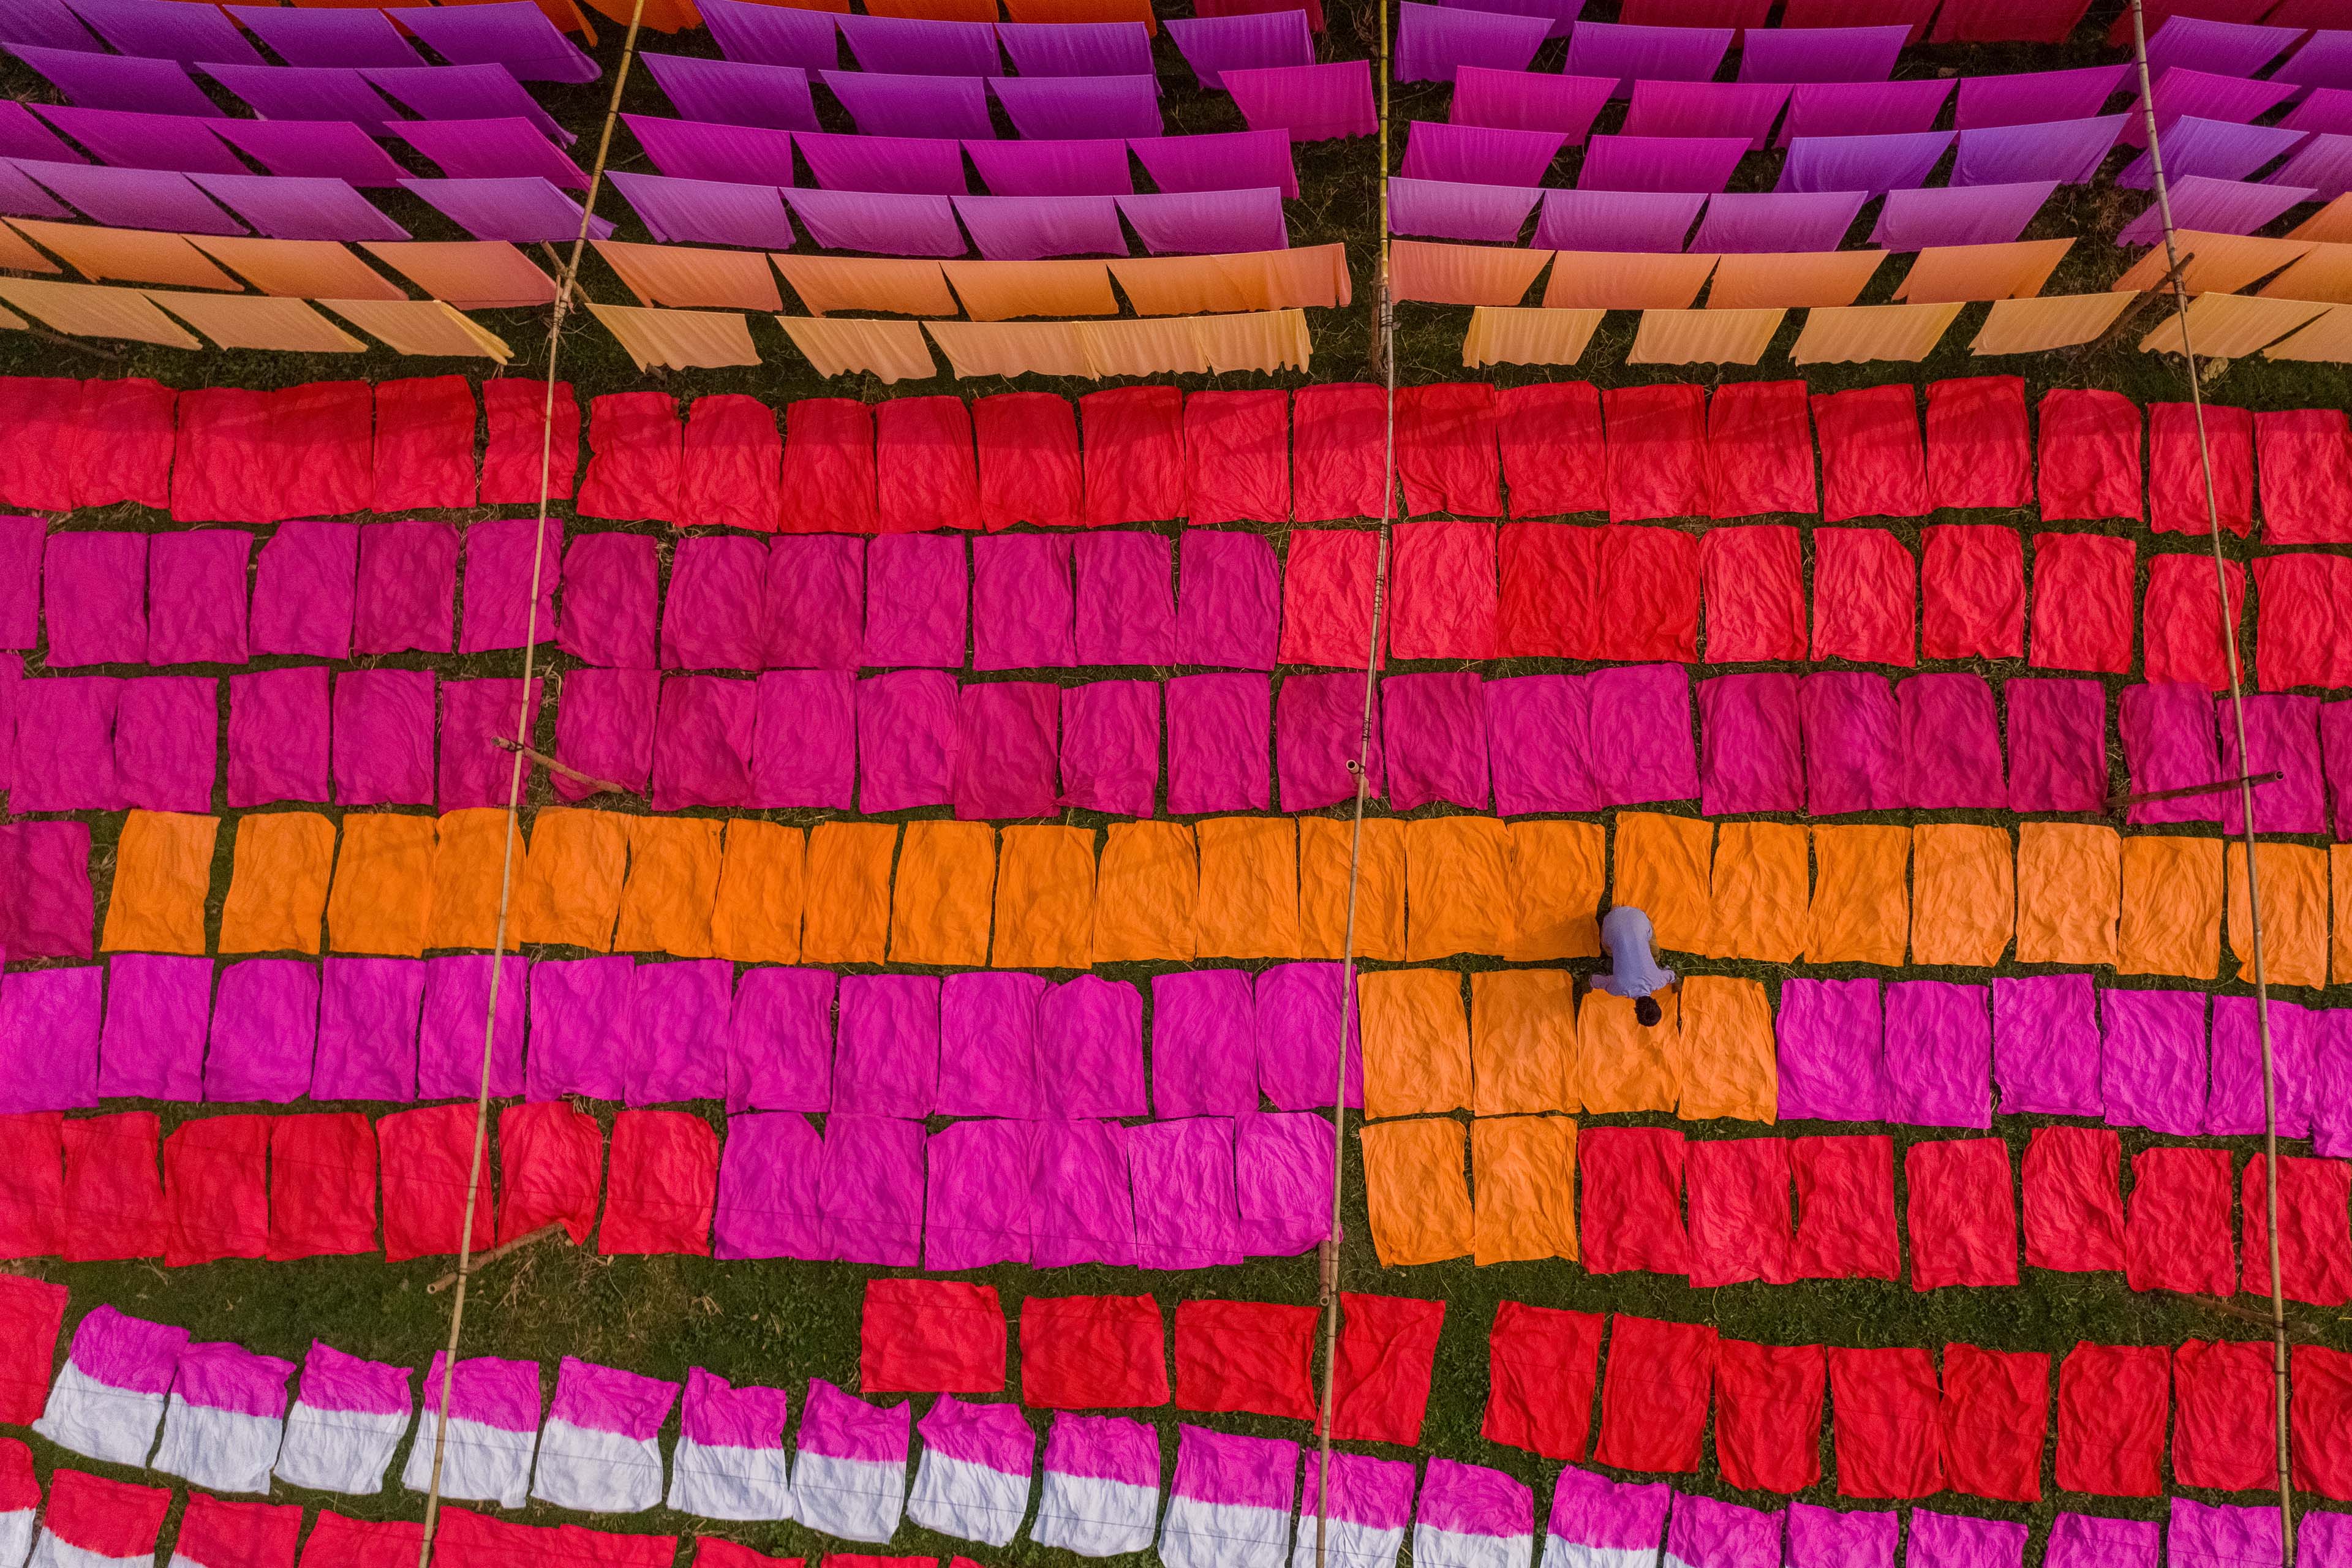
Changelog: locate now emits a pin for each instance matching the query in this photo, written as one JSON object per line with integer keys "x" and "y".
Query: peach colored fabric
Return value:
{"x": 679, "y": 340}
{"x": 1243, "y": 281}
{"x": 2327, "y": 341}
{"x": 1005, "y": 291}
{"x": 673, "y": 885}
{"x": 2046, "y": 323}
{"x": 1963, "y": 902}
{"x": 1416, "y": 1042}
{"x": 848, "y": 916}
{"x": 298, "y": 269}
{"x": 2171, "y": 906}
{"x": 17, "y": 255}
{"x": 259, "y": 322}
{"x": 1524, "y": 1171}
{"x": 1522, "y": 1041}
{"x": 2069, "y": 888}
{"x": 433, "y": 329}
{"x": 830, "y": 283}
{"x": 1462, "y": 274}
{"x": 2294, "y": 912}
{"x": 1819, "y": 278}
{"x": 1703, "y": 337}
{"x": 128, "y": 255}
{"x": 162, "y": 869}
{"x": 1957, "y": 274}
{"x": 1415, "y": 1191}
{"x": 1249, "y": 888}
{"x": 569, "y": 892}
{"x": 1501, "y": 335}
{"x": 2324, "y": 272}
{"x": 1045, "y": 899}
{"x": 1324, "y": 847}
{"x": 693, "y": 276}
{"x": 1861, "y": 905}
{"x": 1867, "y": 334}
{"x": 383, "y": 896}
{"x": 1557, "y": 881}
{"x": 1759, "y": 891}
{"x": 1662, "y": 867}
{"x": 2232, "y": 326}
{"x": 1146, "y": 886}
{"x": 2331, "y": 225}
{"x": 1621, "y": 1066}
{"x": 944, "y": 895}
{"x": 1731, "y": 1066}
{"x": 1012, "y": 348}
{"x": 757, "y": 918}
{"x": 95, "y": 310}
{"x": 471, "y": 274}
{"x": 890, "y": 350}
{"x": 468, "y": 854}
{"x": 278, "y": 881}
{"x": 1458, "y": 887}
{"x": 2217, "y": 263}
{"x": 1261, "y": 341}
{"x": 1624, "y": 280}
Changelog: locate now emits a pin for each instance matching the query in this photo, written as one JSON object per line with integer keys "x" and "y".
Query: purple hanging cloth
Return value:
{"x": 2027, "y": 98}
{"x": 2328, "y": 110}
{"x": 20, "y": 197}
{"x": 706, "y": 212}
{"x": 463, "y": 92}
{"x": 912, "y": 105}
{"x": 1651, "y": 221}
{"x": 2229, "y": 49}
{"x": 1221, "y": 161}
{"x": 906, "y": 165}
{"x": 515, "y": 34}
{"x": 1432, "y": 40}
{"x": 1819, "y": 54}
{"x": 491, "y": 150}
{"x": 114, "y": 81}
{"x": 697, "y": 150}
{"x": 285, "y": 208}
{"x": 1755, "y": 222}
{"x": 1529, "y": 101}
{"x": 132, "y": 198}
{"x": 2182, "y": 90}
{"x": 2216, "y": 206}
{"x": 128, "y": 140}
{"x": 1077, "y": 48}
{"x": 1631, "y": 54}
{"x": 2325, "y": 61}
{"x": 1214, "y": 45}
{"x": 1067, "y": 108}
{"x": 521, "y": 211}
{"x": 916, "y": 46}
{"x": 2322, "y": 164}
{"x": 22, "y": 136}
{"x": 318, "y": 149}
{"x": 764, "y": 35}
{"x": 733, "y": 93}
{"x": 1313, "y": 103}
{"x": 1706, "y": 108}
{"x": 1864, "y": 107}
{"x": 1974, "y": 214}
{"x": 47, "y": 25}
{"x": 1094, "y": 166}
{"x": 1479, "y": 155}
{"x": 2219, "y": 149}
{"x": 1208, "y": 223}
{"x": 161, "y": 30}
{"x": 335, "y": 37}
{"x": 1032, "y": 229}
{"x": 1703, "y": 164}
{"x": 1439, "y": 209}
{"x": 878, "y": 225}
{"x": 2067, "y": 152}
{"x": 1876, "y": 165}
{"x": 302, "y": 92}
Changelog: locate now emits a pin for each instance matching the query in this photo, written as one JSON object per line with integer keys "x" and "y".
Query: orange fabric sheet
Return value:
{"x": 1009, "y": 349}
{"x": 1008, "y": 291}
{"x": 2047, "y": 321}
{"x": 1416, "y": 1042}
{"x": 298, "y": 269}
{"x": 1245, "y": 280}
{"x": 693, "y": 276}
{"x": 1872, "y": 334}
{"x": 2069, "y": 891}
{"x": 17, "y": 255}
{"x": 383, "y": 897}
{"x": 1522, "y": 1041}
{"x": 1861, "y": 907}
{"x": 2235, "y": 325}
{"x": 1523, "y": 1171}
{"x": 2339, "y": 876}
{"x": 891, "y": 352}
{"x": 2327, "y": 341}
{"x": 757, "y": 919}
{"x": 431, "y": 329}
{"x": 1557, "y": 882}
{"x": 1730, "y": 1066}
{"x": 1324, "y": 846}
{"x": 1508, "y": 334}
{"x": 829, "y": 283}
{"x": 96, "y": 310}
{"x": 260, "y": 321}
{"x": 1662, "y": 867}
{"x": 1960, "y": 273}
{"x": 1621, "y": 1066}
{"x": 468, "y": 848}
{"x": 1416, "y": 1190}
{"x": 1703, "y": 337}
{"x": 1624, "y": 280}
{"x": 2294, "y": 912}
{"x": 570, "y": 893}
{"x": 2171, "y": 906}
{"x": 1145, "y": 887}
{"x": 2218, "y": 263}
{"x": 1963, "y": 905}
{"x": 1458, "y": 887}
{"x": 128, "y": 256}
{"x": 471, "y": 274}
{"x": 679, "y": 340}
{"x": 1822, "y": 280}
{"x": 1760, "y": 876}
{"x": 1464, "y": 274}
{"x": 943, "y": 896}
{"x": 277, "y": 882}
{"x": 1249, "y": 888}
{"x": 673, "y": 885}
{"x": 1045, "y": 898}
{"x": 848, "y": 915}
{"x": 2323, "y": 272}
{"x": 162, "y": 869}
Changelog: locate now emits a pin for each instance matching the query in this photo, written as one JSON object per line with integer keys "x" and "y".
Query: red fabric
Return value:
{"x": 264, "y": 457}
{"x": 512, "y": 412}
{"x": 1657, "y": 451}
{"x": 1327, "y": 596}
{"x": 1962, "y": 1213}
{"x": 1649, "y": 594}
{"x": 1654, "y": 1395}
{"x": 119, "y": 446}
{"x": 1134, "y": 454}
{"x": 2082, "y": 602}
{"x": 551, "y": 1168}
{"x": 1978, "y": 450}
{"x": 1554, "y": 458}
{"x": 1251, "y": 1356}
{"x": 1885, "y": 1420}
{"x": 1864, "y": 596}
{"x": 1388, "y": 1348}
{"x": 2319, "y": 1416}
{"x": 321, "y": 1185}
{"x": 661, "y": 1186}
{"x": 20, "y": 1491}
{"x": 2176, "y": 1230}
{"x": 2224, "y": 1415}
{"x": 2175, "y": 473}
{"x": 336, "y": 1541}
{"x": 930, "y": 1336}
{"x": 829, "y": 482}
{"x": 1028, "y": 464}
{"x": 113, "y": 1189}
{"x": 730, "y": 465}
{"x": 2111, "y": 1402}
{"x": 1845, "y": 1209}
{"x": 32, "y": 1184}
{"x": 1631, "y": 1213}
{"x": 2314, "y": 1237}
{"x": 1739, "y": 1225}
{"x": 217, "y": 1190}
{"x": 1768, "y": 1414}
{"x": 1550, "y": 603}
{"x": 1542, "y": 1363}
{"x": 424, "y": 446}
{"x": 635, "y": 448}
{"x": 1996, "y": 1415}
{"x": 2073, "y": 1199}
{"x": 218, "y": 1533}
{"x": 1237, "y": 445}
{"x": 1759, "y": 451}
{"x": 1445, "y": 605}
{"x": 112, "y": 1519}
{"x": 2089, "y": 454}
{"x": 1755, "y": 582}
{"x": 31, "y": 1311}
{"x": 1971, "y": 591}
{"x": 1092, "y": 1352}
{"x": 926, "y": 476}
{"x": 1338, "y": 434}
{"x": 425, "y": 1156}
{"x": 2298, "y": 637}
{"x": 2305, "y": 458}
{"x": 1448, "y": 449}
{"x": 716, "y": 1552}
{"x": 39, "y": 436}
{"x": 1874, "y": 462}
{"x": 2180, "y": 638}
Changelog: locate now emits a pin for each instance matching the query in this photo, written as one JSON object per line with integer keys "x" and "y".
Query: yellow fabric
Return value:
{"x": 890, "y": 350}
{"x": 1522, "y": 1041}
{"x": 430, "y": 329}
{"x": 1415, "y": 1191}
{"x": 1146, "y": 886}
{"x": 2294, "y": 912}
{"x": 1662, "y": 868}
{"x": 2171, "y": 908}
{"x": 95, "y": 310}
{"x": 2068, "y": 893}
{"x": 1416, "y": 1042}
{"x": 1860, "y": 908}
{"x": 570, "y": 892}
{"x": 672, "y": 886}
{"x": 261, "y": 322}
{"x": 1523, "y": 1170}
{"x": 1819, "y": 278}
{"x": 1963, "y": 906}
{"x": 17, "y": 255}
{"x": 1464, "y": 274}
{"x": 1249, "y": 888}
{"x": 2232, "y": 326}
{"x": 1045, "y": 898}
{"x": 942, "y": 898}
{"x": 1703, "y": 337}
{"x": 2327, "y": 341}
{"x": 848, "y": 916}
{"x": 1501, "y": 335}
{"x": 1868, "y": 335}
{"x": 1083, "y": 11}
{"x": 163, "y": 868}
{"x": 128, "y": 255}
{"x": 2339, "y": 882}
{"x": 757, "y": 919}
{"x": 1324, "y": 846}
{"x": 1243, "y": 281}
{"x": 1760, "y": 882}
{"x": 1458, "y": 887}
{"x": 1621, "y": 1066}
{"x": 693, "y": 276}
{"x": 2323, "y": 272}
{"x": 278, "y": 881}
{"x": 1624, "y": 280}
{"x": 383, "y": 895}
{"x": 468, "y": 851}
{"x": 1730, "y": 1066}
{"x": 1557, "y": 880}
{"x": 1261, "y": 341}
{"x": 1002, "y": 290}
{"x": 1960, "y": 273}
{"x": 1012, "y": 348}
{"x": 471, "y": 274}
{"x": 830, "y": 283}
{"x": 298, "y": 269}
{"x": 680, "y": 340}
{"x": 2048, "y": 322}
{"x": 2216, "y": 264}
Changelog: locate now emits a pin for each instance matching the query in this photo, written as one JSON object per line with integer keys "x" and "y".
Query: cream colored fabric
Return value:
{"x": 1264, "y": 340}
{"x": 95, "y": 310}
{"x": 259, "y": 322}
{"x": 1755, "y": 282}
{"x": 694, "y": 276}
{"x": 1864, "y": 334}
{"x": 892, "y": 351}
{"x": 2323, "y": 272}
{"x": 128, "y": 256}
{"x": 1946, "y": 273}
{"x": 471, "y": 274}
{"x": 1703, "y": 337}
{"x": 680, "y": 340}
{"x": 1243, "y": 281}
{"x": 1624, "y": 281}
{"x": 830, "y": 283}
{"x": 300, "y": 268}
{"x": 1011, "y": 348}
{"x": 2232, "y": 326}
{"x": 2216, "y": 264}
{"x": 2049, "y": 321}
{"x": 2327, "y": 341}
{"x": 433, "y": 328}
{"x": 1005, "y": 290}
{"x": 16, "y": 255}
{"x": 1501, "y": 335}
{"x": 1462, "y": 274}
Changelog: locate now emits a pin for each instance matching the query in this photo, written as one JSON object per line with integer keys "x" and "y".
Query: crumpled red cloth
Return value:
{"x": 1648, "y": 602}
{"x": 1963, "y": 1219}
{"x": 2305, "y": 463}
{"x": 1886, "y": 1423}
{"x": 829, "y": 483}
{"x": 1979, "y": 452}
{"x": 265, "y": 457}
{"x": 2073, "y": 1199}
{"x": 2175, "y": 473}
{"x": 67, "y": 443}
{"x": 2224, "y": 1415}
{"x": 1542, "y": 1364}
{"x": 1029, "y": 471}
{"x": 1250, "y": 1356}
{"x": 635, "y": 445}
{"x": 1996, "y": 1414}
{"x": 2090, "y": 460}
{"x": 1768, "y": 1414}
{"x": 1554, "y": 458}
{"x": 1550, "y": 599}
{"x": 1134, "y": 454}
{"x": 1338, "y": 433}
{"x": 425, "y": 444}
{"x": 1971, "y": 591}
{"x": 1874, "y": 462}
{"x": 930, "y": 1336}
{"x": 1388, "y": 1348}
{"x": 1657, "y": 451}
{"x": 513, "y": 411}
{"x": 1237, "y": 449}
{"x": 1759, "y": 451}
{"x": 1654, "y": 1395}
{"x": 2112, "y": 1403}
{"x": 1448, "y": 451}
{"x": 926, "y": 476}
{"x": 729, "y": 466}
{"x": 1755, "y": 592}
{"x": 1092, "y": 1352}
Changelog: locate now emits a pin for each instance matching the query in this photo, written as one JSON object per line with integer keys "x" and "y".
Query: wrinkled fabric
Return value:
{"x": 1995, "y": 1413}
{"x": 2176, "y": 1229}
{"x": 1962, "y": 1215}
{"x": 2089, "y": 461}
{"x": 263, "y": 457}
{"x": 2182, "y": 636}
{"x": 2175, "y": 471}
{"x": 1552, "y": 455}
{"x": 1543, "y": 1364}
{"x": 1416, "y": 1190}
{"x": 1972, "y": 603}
{"x": 1336, "y": 433}
{"x": 1226, "y": 612}
{"x": 1448, "y": 457}
{"x": 1630, "y": 1216}
{"x": 407, "y": 588}
{"x": 2305, "y": 459}
{"x": 1978, "y": 453}
{"x": 635, "y": 443}
{"x": 663, "y": 1184}
{"x": 1654, "y": 1395}
{"x": 1885, "y": 1403}
{"x": 1661, "y": 433}
{"x": 1873, "y": 461}
{"x": 1862, "y": 596}
{"x": 2046, "y": 1045}
{"x": 2112, "y": 1404}
{"x": 2082, "y": 602}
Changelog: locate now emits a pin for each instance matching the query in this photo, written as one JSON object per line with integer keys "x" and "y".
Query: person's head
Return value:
{"x": 1646, "y": 1012}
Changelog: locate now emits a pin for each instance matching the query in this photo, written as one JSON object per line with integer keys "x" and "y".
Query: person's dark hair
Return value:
{"x": 1646, "y": 1012}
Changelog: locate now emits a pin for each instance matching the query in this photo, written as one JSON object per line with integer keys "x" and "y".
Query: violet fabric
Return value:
{"x": 2057, "y": 744}
{"x": 462, "y": 92}
{"x": 1296, "y": 1011}
{"x": 1080, "y": 1210}
{"x": 278, "y": 728}
{"x": 909, "y": 165}
{"x": 65, "y": 745}
{"x": 1536, "y": 727}
{"x": 1831, "y": 1060}
{"x": 1282, "y": 1182}
{"x": 1005, "y": 749}
{"x": 2080, "y": 1540}
{"x": 2025, "y": 98}
{"x": 290, "y": 206}
{"x": 49, "y": 1039}
{"x": 158, "y": 1008}
{"x": 1206, "y": 222}
{"x": 2168, "y": 731}
{"x": 166, "y": 741}
{"x": 1311, "y": 103}
{"x": 2233, "y": 1105}
{"x": 49, "y": 25}
{"x": 1182, "y": 1174}
{"x": 2067, "y": 151}
{"x": 1220, "y": 160}
{"x": 1871, "y": 165}
{"x": 1956, "y": 1540}
{"x": 2220, "y": 149}
{"x": 1022, "y": 606}
{"x": 1074, "y": 108}
{"x": 2216, "y": 206}
{"x": 766, "y": 1204}
{"x": 195, "y": 596}
{"x": 1819, "y": 54}
{"x": 2045, "y": 1045}
{"x": 94, "y": 593}
{"x": 609, "y": 597}
{"x": 1652, "y": 221}
{"x": 2231, "y": 48}
{"x": 780, "y": 1040}
{"x": 321, "y": 37}
{"x": 145, "y": 32}
{"x": 407, "y": 591}
{"x": 2323, "y": 164}
{"x": 500, "y": 557}
{"x": 976, "y": 1208}
{"x": 1865, "y": 109}
{"x": 886, "y": 1049}
{"x": 913, "y": 46}
{"x": 1090, "y": 1048}
{"x": 1433, "y": 738}
{"x": 803, "y": 741}
{"x": 1217, "y": 730}
{"x": 1030, "y": 228}
{"x": 1634, "y": 54}
{"x": 128, "y": 140}
{"x": 521, "y": 211}
{"x": 1640, "y": 748}
{"x": 1078, "y": 48}
{"x": 305, "y": 587}
{"x": 734, "y": 93}
{"x": 2281, "y": 736}
{"x": 712, "y": 619}
{"x": 1938, "y": 1054}
{"x": 706, "y": 212}
{"x": 21, "y": 543}
{"x": 869, "y": 1192}
{"x": 893, "y": 105}
{"x": 915, "y": 601}
{"x": 515, "y": 35}
{"x": 1095, "y": 166}
{"x": 384, "y": 731}
{"x": 815, "y": 601}
{"x": 702, "y": 741}
{"x": 678, "y": 1032}
{"x": 773, "y": 34}
{"x": 579, "y": 1027}
{"x": 1203, "y": 1044}
{"x": 1951, "y": 744}
{"x": 1706, "y": 108}
{"x": 1529, "y": 101}
{"x": 1110, "y": 746}
{"x": 324, "y": 94}
{"x": 1976, "y": 214}
{"x": 988, "y": 1035}
{"x": 263, "y": 1028}
{"x": 1492, "y": 214}
{"x": 1228, "y": 612}
{"x": 906, "y": 725}
{"x": 1432, "y": 40}
{"x": 1319, "y": 732}
{"x": 727, "y": 155}
{"x": 1125, "y": 599}
{"x": 1212, "y": 44}
{"x": 1687, "y": 163}
{"x": 604, "y": 728}
{"x": 456, "y": 1007}
{"x": 1751, "y": 757}
{"x": 369, "y": 1013}
{"x": 2152, "y": 1060}
{"x": 127, "y": 82}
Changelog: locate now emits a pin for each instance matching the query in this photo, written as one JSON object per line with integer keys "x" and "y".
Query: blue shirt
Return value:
{"x": 1634, "y": 972}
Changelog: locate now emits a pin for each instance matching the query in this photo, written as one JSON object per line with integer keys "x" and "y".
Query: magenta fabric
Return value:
{"x": 166, "y": 732}
{"x": 518, "y": 211}
{"x": 1203, "y": 1044}
{"x": 1530, "y": 100}
{"x": 976, "y": 1211}
{"x": 2181, "y": 92}
{"x": 54, "y": 913}
{"x": 1030, "y": 228}
{"x": 21, "y": 543}
{"x": 383, "y": 732}
{"x": 1951, "y": 744}
{"x": 517, "y": 37}
{"x": 2057, "y": 744}
{"x": 1217, "y": 732}
{"x": 329, "y": 37}
{"x": 1750, "y": 756}
{"x": 815, "y": 601}
{"x": 1864, "y": 107}
{"x": 908, "y": 165}
{"x": 708, "y": 212}
{"x": 886, "y": 1052}
{"x": 1205, "y": 223}
{"x": 2027, "y": 98}
{"x": 1077, "y": 48}
{"x": 1871, "y": 165}
{"x": 1640, "y": 748}
{"x": 2233, "y": 1106}
{"x": 65, "y": 745}
{"x": 2152, "y": 1060}
{"x": 1706, "y": 108}
{"x": 905, "y": 740}
{"x": 1977, "y": 215}
{"x": 48, "y": 1040}
{"x": 1228, "y": 612}
{"x": 1319, "y": 732}
{"x": 1831, "y": 1061}
{"x": 1093, "y": 167}
{"x": 142, "y": 31}
{"x": 767, "y": 1204}
{"x": 722, "y": 155}
{"x": 1125, "y": 599}
{"x": 921, "y": 46}
{"x": 1073, "y": 108}
{"x": 369, "y": 1013}
{"x": 456, "y": 1005}
{"x": 1186, "y": 1213}
{"x": 580, "y": 1022}
{"x": 1701, "y": 163}
{"x": 407, "y": 593}
{"x": 915, "y": 601}
{"x": 2325, "y": 61}
{"x": 870, "y": 1192}
{"x": 604, "y": 728}
{"x": 2045, "y": 1045}
{"x": 1634, "y": 54}
{"x": 609, "y": 597}
{"x": 1853, "y": 730}
{"x": 1023, "y": 608}
{"x": 1819, "y": 54}
{"x": 1536, "y": 727}
{"x": 1432, "y": 40}
{"x": 1434, "y": 737}
{"x": 302, "y": 94}
{"x": 896, "y": 105}
{"x": 2219, "y": 149}
{"x": 94, "y": 592}
{"x": 1005, "y": 750}
{"x": 131, "y": 82}
{"x": 2167, "y": 731}
{"x": 1213, "y": 44}
{"x": 877, "y": 223}
{"x": 290, "y": 206}
{"x": 1489, "y": 213}
{"x": 1111, "y": 746}
{"x": 1959, "y": 1540}
{"x": 773, "y": 34}
{"x": 780, "y": 1040}
{"x": 1281, "y": 1181}
{"x": 2323, "y": 164}
{"x": 733, "y": 92}
{"x": 305, "y": 587}
{"x": 1310, "y": 103}
{"x": 49, "y": 25}
{"x": 2336, "y": 764}
{"x": 500, "y": 556}
{"x": 804, "y": 741}
{"x": 195, "y": 596}
{"x": 157, "y": 1009}
{"x": 711, "y": 620}
{"x": 263, "y": 1028}
{"x": 2282, "y": 734}
{"x": 678, "y": 1031}
{"x": 1079, "y": 1206}
{"x": 1223, "y": 161}
{"x": 2216, "y": 206}
{"x": 1649, "y": 221}
{"x": 1938, "y": 1054}
{"x": 988, "y": 1033}
{"x": 1090, "y": 1047}
{"x": 702, "y": 743}
{"x": 278, "y": 728}
{"x": 1296, "y": 1023}
{"x": 2068, "y": 152}
{"x": 1773, "y": 221}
